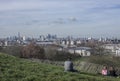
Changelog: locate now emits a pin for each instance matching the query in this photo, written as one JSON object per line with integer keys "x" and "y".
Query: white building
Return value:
{"x": 67, "y": 43}
{"x": 23, "y": 38}
{"x": 42, "y": 38}
{"x": 78, "y": 42}
{"x": 111, "y": 47}
{"x": 118, "y": 52}
{"x": 83, "y": 51}
{"x": 71, "y": 42}
{"x": 6, "y": 43}
{"x": 63, "y": 43}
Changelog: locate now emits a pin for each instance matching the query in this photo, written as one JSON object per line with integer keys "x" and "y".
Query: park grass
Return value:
{"x": 17, "y": 69}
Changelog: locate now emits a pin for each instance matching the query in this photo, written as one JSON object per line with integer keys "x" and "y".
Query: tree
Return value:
{"x": 33, "y": 51}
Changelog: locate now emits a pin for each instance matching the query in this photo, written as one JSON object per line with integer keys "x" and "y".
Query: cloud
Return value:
{"x": 74, "y": 15}
{"x": 29, "y": 5}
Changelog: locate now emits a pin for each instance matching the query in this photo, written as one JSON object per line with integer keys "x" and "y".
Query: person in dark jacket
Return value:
{"x": 112, "y": 72}
{"x": 68, "y": 65}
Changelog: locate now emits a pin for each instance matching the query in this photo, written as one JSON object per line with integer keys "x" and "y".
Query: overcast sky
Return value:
{"x": 86, "y": 18}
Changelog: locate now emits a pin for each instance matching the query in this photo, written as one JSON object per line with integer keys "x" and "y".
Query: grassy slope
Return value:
{"x": 16, "y": 69}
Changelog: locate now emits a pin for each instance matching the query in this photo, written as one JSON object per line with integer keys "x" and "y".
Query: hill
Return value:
{"x": 17, "y": 69}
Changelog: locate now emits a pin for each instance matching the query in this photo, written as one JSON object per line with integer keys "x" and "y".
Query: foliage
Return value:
{"x": 12, "y": 50}
{"x": 59, "y": 55}
{"x": 107, "y": 60}
{"x": 16, "y": 69}
{"x": 1, "y": 48}
{"x": 33, "y": 51}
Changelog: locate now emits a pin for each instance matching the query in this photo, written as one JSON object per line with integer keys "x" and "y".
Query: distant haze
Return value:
{"x": 86, "y": 18}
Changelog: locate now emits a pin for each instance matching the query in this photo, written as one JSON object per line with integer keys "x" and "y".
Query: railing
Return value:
{"x": 80, "y": 66}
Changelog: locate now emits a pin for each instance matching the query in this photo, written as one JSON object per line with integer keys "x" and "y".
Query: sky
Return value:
{"x": 79, "y": 18}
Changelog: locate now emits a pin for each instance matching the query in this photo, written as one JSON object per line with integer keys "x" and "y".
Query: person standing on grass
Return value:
{"x": 104, "y": 71}
{"x": 68, "y": 65}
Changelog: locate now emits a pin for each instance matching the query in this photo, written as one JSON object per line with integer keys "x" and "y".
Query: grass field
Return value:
{"x": 17, "y": 69}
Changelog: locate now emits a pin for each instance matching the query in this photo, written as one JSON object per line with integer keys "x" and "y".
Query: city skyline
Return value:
{"x": 86, "y": 18}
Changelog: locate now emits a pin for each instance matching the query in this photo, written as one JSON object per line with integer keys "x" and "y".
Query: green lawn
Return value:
{"x": 17, "y": 69}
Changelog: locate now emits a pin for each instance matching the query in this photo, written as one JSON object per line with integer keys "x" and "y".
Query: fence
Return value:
{"x": 80, "y": 66}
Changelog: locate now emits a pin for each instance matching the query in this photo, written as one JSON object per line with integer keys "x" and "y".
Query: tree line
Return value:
{"x": 39, "y": 52}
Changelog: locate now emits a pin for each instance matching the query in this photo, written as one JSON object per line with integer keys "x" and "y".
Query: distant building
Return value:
{"x": 68, "y": 43}
{"x": 111, "y": 47}
{"x": 24, "y": 38}
{"x": 78, "y": 42}
{"x": 63, "y": 42}
{"x": 6, "y": 43}
{"x": 42, "y": 38}
{"x": 45, "y": 43}
{"x": 71, "y": 42}
{"x": 1, "y": 43}
{"x": 118, "y": 52}
{"x": 83, "y": 51}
